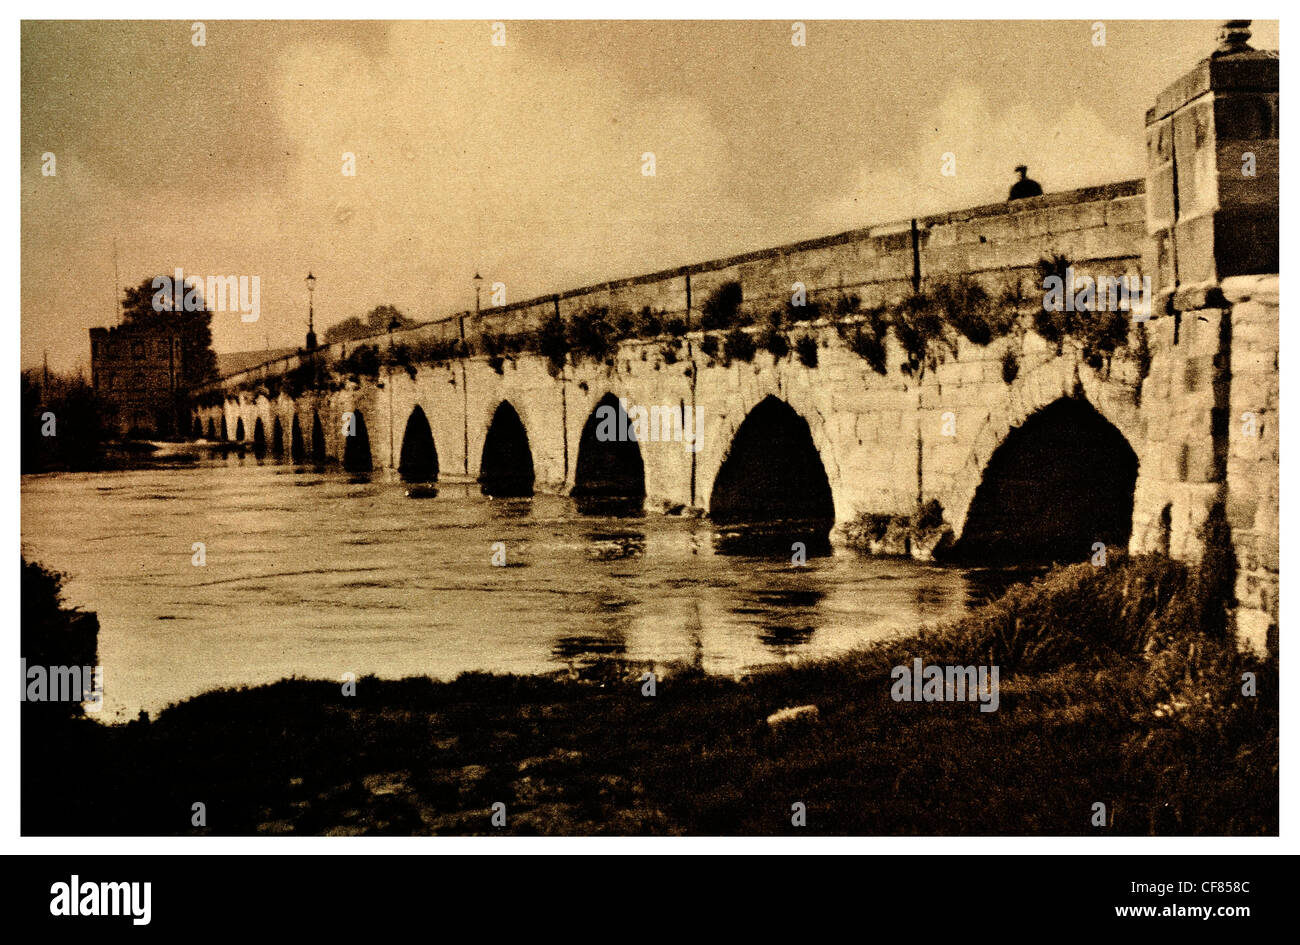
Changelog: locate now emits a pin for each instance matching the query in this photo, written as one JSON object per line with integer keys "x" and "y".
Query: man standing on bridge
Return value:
{"x": 1024, "y": 187}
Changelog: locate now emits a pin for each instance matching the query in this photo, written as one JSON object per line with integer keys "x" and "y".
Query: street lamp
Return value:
{"x": 478, "y": 287}
{"x": 311, "y": 315}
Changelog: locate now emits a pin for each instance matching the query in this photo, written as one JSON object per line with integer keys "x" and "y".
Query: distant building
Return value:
{"x": 137, "y": 373}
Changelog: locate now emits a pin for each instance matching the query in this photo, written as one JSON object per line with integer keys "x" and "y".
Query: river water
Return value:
{"x": 317, "y": 574}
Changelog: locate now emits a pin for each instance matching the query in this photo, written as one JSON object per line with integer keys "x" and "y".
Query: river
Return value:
{"x": 317, "y": 574}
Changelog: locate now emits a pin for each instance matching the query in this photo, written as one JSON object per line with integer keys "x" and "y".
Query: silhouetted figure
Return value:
{"x": 1025, "y": 186}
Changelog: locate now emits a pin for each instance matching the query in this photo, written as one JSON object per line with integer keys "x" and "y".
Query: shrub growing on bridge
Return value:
{"x": 970, "y": 309}
{"x": 740, "y": 346}
{"x": 806, "y": 348}
{"x": 866, "y": 338}
{"x": 362, "y": 362}
{"x": 921, "y": 329}
{"x": 553, "y": 342}
{"x": 593, "y": 335}
{"x": 1010, "y": 366}
{"x": 808, "y": 312}
{"x": 1099, "y": 333}
{"x": 721, "y": 309}
{"x": 774, "y": 340}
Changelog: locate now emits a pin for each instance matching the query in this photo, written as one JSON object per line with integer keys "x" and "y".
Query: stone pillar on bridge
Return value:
{"x": 1212, "y": 171}
{"x": 1210, "y": 403}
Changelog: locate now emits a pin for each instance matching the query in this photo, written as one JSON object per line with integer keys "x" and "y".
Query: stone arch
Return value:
{"x": 356, "y": 445}
{"x": 259, "y": 439}
{"x": 1057, "y": 483}
{"x": 297, "y": 448}
{"x": 609, "y": 456}
{"x": 225, "y": 430}
{"x": 212, "y": 429}
{"x": 506, "y": 466}
{"x": 1042, "y": 380}
{"x": 317, "y": 440}
{"x": 773, "y": 473}
{"x": 197, "y": 432}
{"x": 277, "y": 438}
{"x": 239, "y": 429}
{"x": 419, "y": 456}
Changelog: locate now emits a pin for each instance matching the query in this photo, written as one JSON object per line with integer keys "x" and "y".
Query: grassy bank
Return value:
{"x": 1119, "y": 685}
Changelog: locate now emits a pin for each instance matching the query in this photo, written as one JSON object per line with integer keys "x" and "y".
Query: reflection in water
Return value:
{"x": 774, "y": 540}
{"x": 786, "y": 598}
{"x": 319, "y": 573}
{"x": 588, "y": 656}
{"x": 609, "y": 507}
{"x": 510, "y": 508}
{"x": 597, "y": 654}
{"x": 784, "y": 638}
{"x": 616, "y": 546}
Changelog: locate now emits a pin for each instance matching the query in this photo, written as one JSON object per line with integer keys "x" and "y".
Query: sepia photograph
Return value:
{"x": 717, "y": 428}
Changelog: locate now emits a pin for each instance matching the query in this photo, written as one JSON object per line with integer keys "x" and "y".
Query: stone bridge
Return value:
{"x": 1010, "y": 438}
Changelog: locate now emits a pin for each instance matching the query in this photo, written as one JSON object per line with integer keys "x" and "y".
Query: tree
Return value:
{"x": 349, "y": 329}
{"x": 152, "y": 307}
{"x": 378, "y": 321}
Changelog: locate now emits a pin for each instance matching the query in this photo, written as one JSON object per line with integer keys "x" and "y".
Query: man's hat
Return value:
{"x": 1021, "y": 167}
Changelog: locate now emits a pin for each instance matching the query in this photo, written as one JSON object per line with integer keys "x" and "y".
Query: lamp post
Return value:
{"x": 478, "y": 288}
{"x": 311, "y": 315}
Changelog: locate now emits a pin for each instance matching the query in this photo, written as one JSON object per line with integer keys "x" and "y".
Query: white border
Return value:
{"x": 664, "y": 9}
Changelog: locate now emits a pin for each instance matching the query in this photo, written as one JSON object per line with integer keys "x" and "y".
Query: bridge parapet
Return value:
{"x": 1099, "y": 229}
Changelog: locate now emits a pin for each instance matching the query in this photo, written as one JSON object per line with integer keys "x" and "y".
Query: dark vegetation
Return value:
{"x": 1098, "y": 332}
{"x": 53, "y": 634}
{"x": 198, "y": 361}
{"x": 63, "y": 418}
{"x": 379, "y": 319}
{"x": 61, "y": 424}
{"x": 1120, "y": 684}
{"x": 926, "y": 323}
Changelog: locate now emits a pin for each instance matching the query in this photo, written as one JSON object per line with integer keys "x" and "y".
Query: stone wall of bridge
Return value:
{"x": 886, "y": 442}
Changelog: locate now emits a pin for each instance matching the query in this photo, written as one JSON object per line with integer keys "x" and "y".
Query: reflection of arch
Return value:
{"x": 212, "y": 429}
{"x": 419, "y": 457}
{"x": 277, "y": 438}
{"x": 1058, "y": 483}
{"x": 609, "y": 458}
{"x": 317, "y": 440}
{"x": 239, "y": 429}
{"x": 297, "y": 449}
{"x": 772, "y": 472}
{"x": 506, "y": 467}
{"x": 356, "y": 445}
{"x": 259, "y": 438}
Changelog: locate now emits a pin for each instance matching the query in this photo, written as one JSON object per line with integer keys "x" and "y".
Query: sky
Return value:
{"x": 525, "y": 161}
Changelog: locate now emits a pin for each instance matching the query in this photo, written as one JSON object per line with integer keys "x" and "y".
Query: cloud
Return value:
{"x": 1077, "y": 148}
{"x": 474, "y": 156}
